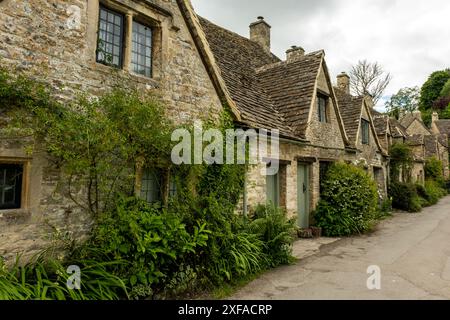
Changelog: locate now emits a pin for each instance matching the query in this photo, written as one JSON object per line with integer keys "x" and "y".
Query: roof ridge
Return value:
{"x": 235, "y": 34}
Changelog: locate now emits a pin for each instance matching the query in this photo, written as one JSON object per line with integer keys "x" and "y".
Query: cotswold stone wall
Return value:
{"x": 292, "y": 154}
{"x": 55, "y": 41}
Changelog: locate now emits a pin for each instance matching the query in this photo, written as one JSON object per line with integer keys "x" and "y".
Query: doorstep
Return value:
{"x": 304, "y": 248}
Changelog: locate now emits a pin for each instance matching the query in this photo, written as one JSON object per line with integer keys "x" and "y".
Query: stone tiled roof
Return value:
{"x": 415, "y": 140}
{"x": 443, "y": 126}
{"x": 407, "y": 119}
{"x": 291, "y": 87}
{"x": 430, "y": 146}
{"x": 380, "y": 121}
{"x": 351, "y": 110}
{"x": 397, "y": 130}
{"x": 443, "y": 139}
{"x": 238, "y": 58}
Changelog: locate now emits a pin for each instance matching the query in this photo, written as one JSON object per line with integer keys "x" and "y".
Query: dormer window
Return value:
{"x": 322, "y": 104}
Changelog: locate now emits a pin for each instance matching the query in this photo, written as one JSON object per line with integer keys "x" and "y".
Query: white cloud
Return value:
{"x": 410, "y": 39}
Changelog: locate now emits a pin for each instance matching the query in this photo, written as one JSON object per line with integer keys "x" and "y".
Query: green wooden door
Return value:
{"x": 273, "y": 189}
{"x": 303, "y": 195}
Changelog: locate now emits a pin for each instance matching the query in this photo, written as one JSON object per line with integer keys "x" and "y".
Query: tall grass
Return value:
{"x": 46, "y": 279}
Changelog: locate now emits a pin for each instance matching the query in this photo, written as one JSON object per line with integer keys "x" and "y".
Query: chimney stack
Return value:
{"x": 343, "y": 82}
{"x": 434, "y": 117}
{"x": 260, "y": 33}
{"x": 294, "y": 53}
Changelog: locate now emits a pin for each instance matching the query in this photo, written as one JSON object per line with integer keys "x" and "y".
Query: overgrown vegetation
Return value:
{"x": 46, "y": 278}
{"x": 191, "y": 241}
{"x": 349, "y": 201}
{"x": 405, "y": 194}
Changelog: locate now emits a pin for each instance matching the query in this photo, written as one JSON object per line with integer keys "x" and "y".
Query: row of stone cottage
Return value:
{"x": 196, "y": 68}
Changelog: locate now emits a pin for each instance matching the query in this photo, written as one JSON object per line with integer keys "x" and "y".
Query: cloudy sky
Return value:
{"x": 410, "y": 39}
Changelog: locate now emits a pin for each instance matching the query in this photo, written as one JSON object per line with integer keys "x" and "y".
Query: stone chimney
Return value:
{"x": 434, "y": 117}
{"x": 343, "y": 82}
{"x": 418, "y": 115}
{"x": 260, "y": 33}
{"x": 294, "y": 53}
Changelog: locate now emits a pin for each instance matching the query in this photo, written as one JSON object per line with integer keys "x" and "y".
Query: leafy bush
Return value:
{"x": 434, "y": 192}
{"x": 404, "y": 197}
{"x": 46, "y": 279}
{"x": 153, "y": 241}
{"x": 401, "y": 161}
{"x": 276, "y": 231}
{"x": 349, "y": 201}
{"x": 433, "y": 169}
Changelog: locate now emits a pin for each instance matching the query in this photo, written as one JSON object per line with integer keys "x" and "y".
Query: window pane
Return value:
{"x": 10, "y": 186}
{"x": 110, "y": 44}
{"x": 151, "y": 186}
{"x": 141, "y": 58}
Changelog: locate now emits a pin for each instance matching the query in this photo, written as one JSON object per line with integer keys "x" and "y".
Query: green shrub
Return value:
{"x": 401, "y": 162}
{"x": 276, "y": 231}
{"x": 434, "y": 169}
{"x": 404, "y": 197}
{"x": 349, "y": 201}
{"x": 434, "y": 192}
{"x": 153, "y": 241}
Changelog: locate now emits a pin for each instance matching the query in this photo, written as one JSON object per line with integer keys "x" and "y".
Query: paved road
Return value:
{"x": 412, "y": 250}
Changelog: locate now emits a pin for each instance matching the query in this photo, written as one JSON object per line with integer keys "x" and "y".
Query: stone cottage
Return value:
{"x": 359, "y": 125}
{"x": 434, "y": 142}
{"x": 85, "y": 46}
{"x": 294, "y": 95}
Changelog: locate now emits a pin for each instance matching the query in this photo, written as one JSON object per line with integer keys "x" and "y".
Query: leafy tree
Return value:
{"x": 432, "y": 88}
{"x": 445, "y": 92}
{"x": 406, "y": 99}
{"x": 368, "y": 78}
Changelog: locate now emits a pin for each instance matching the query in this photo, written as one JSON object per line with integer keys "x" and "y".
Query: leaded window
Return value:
{"x": 322, "y": 102}
{"x": 365, "y": 131}
{"x": 110, "y": 38}
{"x": 141, "y": 51}
{"x": 151, "y": 186}
{"x": 10, "y": 186}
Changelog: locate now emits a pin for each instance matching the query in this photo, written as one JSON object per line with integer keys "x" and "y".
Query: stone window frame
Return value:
{"x": 166, "y": 178}
{"x": 25, "y": 192}
{"x": 156, "y": 19}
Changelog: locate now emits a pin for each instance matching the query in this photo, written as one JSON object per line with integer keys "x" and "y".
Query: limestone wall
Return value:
{"x": 46, "y": 40}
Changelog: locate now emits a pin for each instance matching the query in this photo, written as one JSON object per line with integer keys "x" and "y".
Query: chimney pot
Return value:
{"x": 343, "y": 82}
{"x": 260, "y": 33}
{"x": 294, "y": 53}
